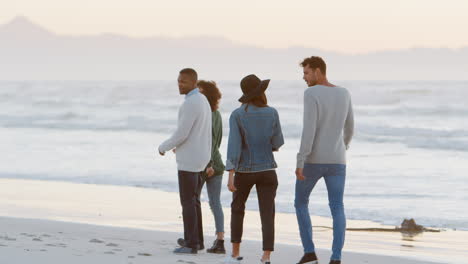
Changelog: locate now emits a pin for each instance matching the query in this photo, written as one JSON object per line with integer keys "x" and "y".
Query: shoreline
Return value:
{"x": 142, "y": 209}
{"x": 56, "y": 151}
{"x": 372, "y": 223}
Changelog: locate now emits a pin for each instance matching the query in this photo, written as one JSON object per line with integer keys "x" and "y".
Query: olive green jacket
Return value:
{"x": 217, "y": 132}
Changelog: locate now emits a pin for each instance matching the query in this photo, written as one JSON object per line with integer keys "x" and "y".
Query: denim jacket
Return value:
{"x": 253, "y": 136}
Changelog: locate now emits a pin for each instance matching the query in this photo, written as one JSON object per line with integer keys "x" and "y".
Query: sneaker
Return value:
{"x": 265, "y": 261}
{"x": 232, "y": 260}
{"x": 185, "y": 250}
{"x": 335, "y": 261}
{"x": 181, "y": 242}
{"x": 308, "y": 258}
{"x": 217, "y": 248}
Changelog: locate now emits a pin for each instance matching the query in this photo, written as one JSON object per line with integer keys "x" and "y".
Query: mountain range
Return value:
{"x": 31, "y": 52}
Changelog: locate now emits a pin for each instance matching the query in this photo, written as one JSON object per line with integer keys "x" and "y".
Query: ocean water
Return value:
{"x": 409, "y": 156}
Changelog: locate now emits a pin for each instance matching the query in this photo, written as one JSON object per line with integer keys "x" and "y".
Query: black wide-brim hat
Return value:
{"x": 252, "y": 87}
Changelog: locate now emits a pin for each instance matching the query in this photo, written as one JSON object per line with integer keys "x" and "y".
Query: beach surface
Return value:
{"x": 45, "y": 242}
{"x": 57, "y": 222}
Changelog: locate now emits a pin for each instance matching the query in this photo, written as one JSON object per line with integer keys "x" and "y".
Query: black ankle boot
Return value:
{"x": 217, "y": 248}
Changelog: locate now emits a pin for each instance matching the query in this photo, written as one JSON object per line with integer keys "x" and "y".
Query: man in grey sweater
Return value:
{"x": 326, "y": 135}
{"x": 192, "y": 144}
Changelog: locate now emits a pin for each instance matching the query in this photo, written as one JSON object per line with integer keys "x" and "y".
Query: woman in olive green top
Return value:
{"x": 213, "y": 176}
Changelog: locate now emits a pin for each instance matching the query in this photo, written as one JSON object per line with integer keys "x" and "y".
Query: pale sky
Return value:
{"x": 350, "y": 26}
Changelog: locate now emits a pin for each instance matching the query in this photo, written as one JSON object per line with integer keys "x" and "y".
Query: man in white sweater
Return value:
{"x": 327, "y": 132}
{"x": 192, "y": 144}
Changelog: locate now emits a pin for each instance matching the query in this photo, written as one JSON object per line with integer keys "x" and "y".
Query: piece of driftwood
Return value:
{"x": 407, "y": 226}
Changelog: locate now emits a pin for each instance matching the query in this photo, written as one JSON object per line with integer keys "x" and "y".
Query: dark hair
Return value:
{"x": 315, "y": 62}
{"x": 190, "y": 72}
{"x": 258, "y": 101}
{"x": 212, "y": 93}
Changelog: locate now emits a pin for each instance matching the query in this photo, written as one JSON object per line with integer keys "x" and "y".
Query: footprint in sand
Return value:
{"x": 7, "y": 238}
{"x": 109, "y": 253}
{"x": 117, "y": 249}
{"x": 57, "y": 245}
{"x": 94, "y": 240}
{"x": 131, "y": 257}
{"x": 112, "y": 245}
{"x": 144, "y": 254}
{"x": 28, "y": 235}
{"x": 1, "y": 245}
{"x": 37, "y": 239}
{"x": 189, "y": 262}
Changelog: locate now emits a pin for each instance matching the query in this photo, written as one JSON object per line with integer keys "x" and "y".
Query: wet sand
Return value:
{"x": 54, "y": 222}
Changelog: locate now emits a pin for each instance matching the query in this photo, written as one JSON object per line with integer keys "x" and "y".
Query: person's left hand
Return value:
{"x": 210, "y": 171}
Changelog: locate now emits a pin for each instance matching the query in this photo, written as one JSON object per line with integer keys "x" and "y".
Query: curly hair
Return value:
{"x": 212, "y": 93}
{"x": 315, "y": 62}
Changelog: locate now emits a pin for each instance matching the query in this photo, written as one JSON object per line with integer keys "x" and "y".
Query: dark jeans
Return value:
{"x": 266, "y": 183}
{"x": 189, "y": 191}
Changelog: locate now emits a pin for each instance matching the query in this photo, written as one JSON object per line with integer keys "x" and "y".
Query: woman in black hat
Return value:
{"x": 254, "y": 133}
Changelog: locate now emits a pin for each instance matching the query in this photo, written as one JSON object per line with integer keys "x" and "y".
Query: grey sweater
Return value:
{"x": 328, "y": 126}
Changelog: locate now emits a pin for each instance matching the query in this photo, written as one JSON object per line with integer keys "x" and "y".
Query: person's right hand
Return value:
{"x": 300, "y": 174}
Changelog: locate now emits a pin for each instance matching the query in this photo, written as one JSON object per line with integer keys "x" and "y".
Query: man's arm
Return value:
{"x": 186, "y": 119}
{"x": 349, "y": 125}
{"x": 308, "y": 131}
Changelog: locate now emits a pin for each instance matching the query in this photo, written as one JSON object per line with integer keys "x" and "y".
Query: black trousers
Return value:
{"x": 266, "y": 183}
{"x": 189, "y": 190}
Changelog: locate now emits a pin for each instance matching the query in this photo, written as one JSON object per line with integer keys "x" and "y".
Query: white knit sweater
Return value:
{"x": 192, "y": 139}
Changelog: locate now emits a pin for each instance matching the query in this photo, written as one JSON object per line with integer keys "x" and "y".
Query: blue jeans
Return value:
{"x": 213, "y": 188}
{"x": 334, "y": 175}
